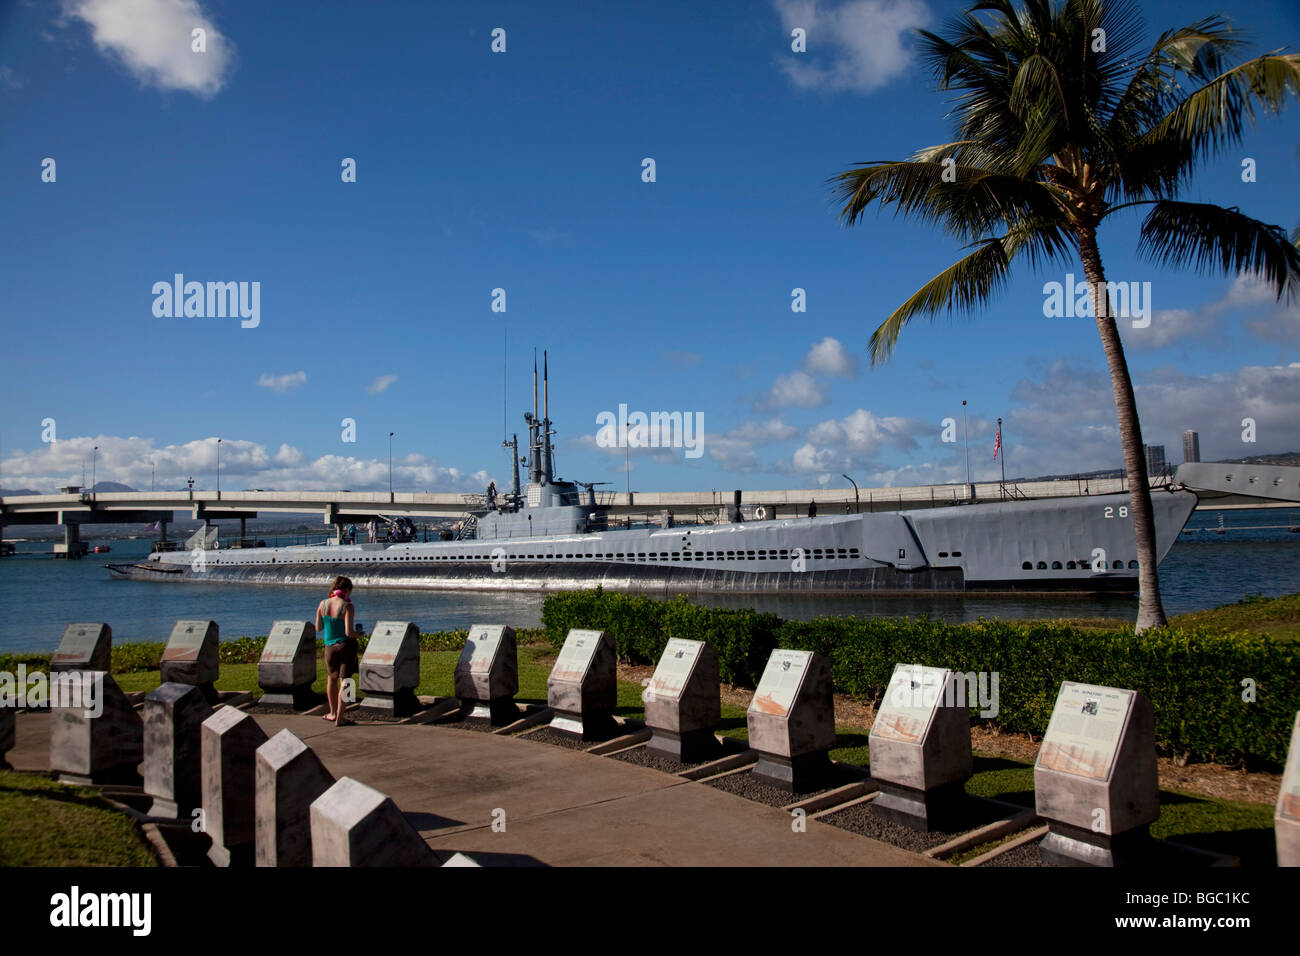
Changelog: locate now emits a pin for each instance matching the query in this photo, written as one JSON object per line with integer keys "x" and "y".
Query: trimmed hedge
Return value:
{"x": 130, "y": 657}
{"x": 1193, "y": 676}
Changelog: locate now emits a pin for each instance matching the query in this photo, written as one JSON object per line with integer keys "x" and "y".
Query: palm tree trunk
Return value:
{"x": 1151, "y": 612}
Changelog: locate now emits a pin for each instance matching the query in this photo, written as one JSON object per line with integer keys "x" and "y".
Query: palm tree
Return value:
{"x": 1061, "y": 121}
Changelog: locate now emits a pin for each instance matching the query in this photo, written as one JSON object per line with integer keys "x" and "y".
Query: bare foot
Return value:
{"x": 328, "y": 716}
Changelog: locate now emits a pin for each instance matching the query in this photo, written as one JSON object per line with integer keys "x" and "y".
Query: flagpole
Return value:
{"x": 965, "y": 433}
{"x": 1003, "y": 454}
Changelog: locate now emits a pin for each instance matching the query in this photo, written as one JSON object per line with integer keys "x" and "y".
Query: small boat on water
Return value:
{"x": 100, "y": 549}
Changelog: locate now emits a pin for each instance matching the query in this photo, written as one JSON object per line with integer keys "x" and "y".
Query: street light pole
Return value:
{"x": 94, "y": 461}
{"x": 857, "y": 507}
{"x": 390, "y": 468}
{"x": 965, "y": 439}
{"x": 218, "y": 469}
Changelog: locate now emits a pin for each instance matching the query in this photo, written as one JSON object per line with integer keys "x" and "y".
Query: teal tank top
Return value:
{"x": 335, "y": 631}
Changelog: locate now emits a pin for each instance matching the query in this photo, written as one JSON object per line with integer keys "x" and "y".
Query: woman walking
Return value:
{"x": 335, "y": 621}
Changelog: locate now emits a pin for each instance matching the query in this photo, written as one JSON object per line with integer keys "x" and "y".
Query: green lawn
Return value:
{"x": 44, "y": 823}
{"x": 1274, "y": 617}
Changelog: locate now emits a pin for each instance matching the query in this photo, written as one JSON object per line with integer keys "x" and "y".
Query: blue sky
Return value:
{"x": 522, "y": 171}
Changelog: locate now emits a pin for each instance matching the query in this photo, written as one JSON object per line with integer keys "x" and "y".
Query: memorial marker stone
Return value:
{"x": 582, "y": 689}
{"x": 683, "y": 702}
{"x": 173, "y": 770}
{"x": 1095, "y": 778}
{"x": 289, "y": 778}
{"x": 1286, "y": 819}
{"x": 920, "y": 748}
{"x": 287, "y": 667}
{"x": 356, "y": 825}
{"x": 84, "y": 647}
{"x": 228, "y": 742}
{"x": 792, "y": 721}
{"x": 6, "y": 731}
{"x": 390, "y": 669}
{"x": 487, "y": 674}
{"x": 191, "y": 657}
{"x": 106, "y": 748}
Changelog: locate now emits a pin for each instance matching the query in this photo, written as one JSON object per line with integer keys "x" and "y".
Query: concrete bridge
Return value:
{"x": 1220, "y": 486}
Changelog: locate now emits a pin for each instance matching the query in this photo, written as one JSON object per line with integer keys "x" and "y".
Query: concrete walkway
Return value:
{"x": 562, "y": 807}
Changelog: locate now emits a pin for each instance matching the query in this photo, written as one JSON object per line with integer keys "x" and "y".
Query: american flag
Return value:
{"x": 997, "y": 444}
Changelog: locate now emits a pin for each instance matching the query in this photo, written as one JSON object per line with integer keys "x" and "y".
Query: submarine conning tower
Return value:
{"x": 546, "y": 506}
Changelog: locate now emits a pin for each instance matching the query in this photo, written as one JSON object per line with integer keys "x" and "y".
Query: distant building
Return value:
{"x": 1155, "y": 459}
{"x": 1191, "y": 446}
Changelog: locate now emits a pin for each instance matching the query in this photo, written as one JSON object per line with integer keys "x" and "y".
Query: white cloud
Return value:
{"x": 244, "y": 464}
{"x": 153, "y": 39}
{"x": 381, "y": 384}
{"x": 736, "y": 450}
{"x": 1067, "y": 423}
{"x": 548, "y": 235}
{"x": 807, "y": 457}
{"x": 857, "y": 45}
{"x": 795, "y": 388}
{"x": 282, "y": 383}
{"x": 863, "y": 433}
{"x": 1247, "y": 295}
{"x": 10, "y": 80}
{"x": 829, "y": 357}
{"x": 674, "y": 357}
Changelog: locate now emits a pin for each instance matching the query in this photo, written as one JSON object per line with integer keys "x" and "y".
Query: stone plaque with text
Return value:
{"x": 1083, "y": 735}
{"x": 287, "y": 667}
{"x": 487, "y": 674}
{"x": 1095, "y": 780}
{"x": 390, "y": 669}
{"x": 791, "y": 720}
{"x": 920, "y": 748}
{"x": 84, "y": 647}
{"x": 191, "y": 655}
{"x": 582, "y": 689}
{"x": 683, "y": 704}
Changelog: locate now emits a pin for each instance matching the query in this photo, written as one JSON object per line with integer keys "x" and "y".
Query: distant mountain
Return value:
{"x": 111, "y": 486}
{"x": 19, "y": 491}
{"x": 1291, "y": 458}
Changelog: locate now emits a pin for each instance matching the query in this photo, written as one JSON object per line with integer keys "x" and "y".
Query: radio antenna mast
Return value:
{"x": 505, "y": 383}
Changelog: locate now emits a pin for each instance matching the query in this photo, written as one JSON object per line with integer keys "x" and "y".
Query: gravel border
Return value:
{"x": 256, "y": 708}
{"x": 1024, "y": 855}
{"x": 863, "y": 819}
{"x": 745, "y": 784}
{"x": 646, "y": 758}
{"x": 479, "y": 724}
{"x": 363, "y": 715}
{"x": 556, "y": 738}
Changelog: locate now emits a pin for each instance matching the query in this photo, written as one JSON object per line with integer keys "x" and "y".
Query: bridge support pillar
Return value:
{"x": 72, "y": 546}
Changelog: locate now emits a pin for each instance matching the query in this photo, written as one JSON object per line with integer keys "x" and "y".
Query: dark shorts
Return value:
{"x": 341, "y": 658}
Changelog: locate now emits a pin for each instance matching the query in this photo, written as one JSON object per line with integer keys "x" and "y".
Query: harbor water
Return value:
{"x": 1256, "y": 554}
